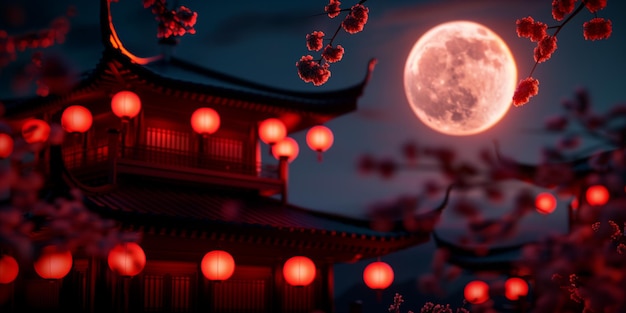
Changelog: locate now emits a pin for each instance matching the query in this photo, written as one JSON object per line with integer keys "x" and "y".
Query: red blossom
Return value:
{"x": 596, "y": 29}
{"x": 595, "y": 5}
{"x": 332, "y": 8}
{"x": 187, "y": 17}
{"x": 527, "y": 88}
{"x": 356, "y": 20}
{"x": 310, "y": 70}
{"x": 560, "y": 8}
{"x": 314, "y": 40}
{"x": 148, "y": 3}
{"x": 528, "y": 28}
{"x": 331, "y": 54}
{"x": 545, "y": 48}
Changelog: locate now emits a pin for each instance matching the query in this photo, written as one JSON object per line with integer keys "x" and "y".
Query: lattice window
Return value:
{"x": 225, "y": 149}
{"x": 227, "y": 296}
{"x": 153, "y": 293}
{"x": 298, "y": 299}
{"x": 181, "y": 290}
{"x": 167, "y": 139}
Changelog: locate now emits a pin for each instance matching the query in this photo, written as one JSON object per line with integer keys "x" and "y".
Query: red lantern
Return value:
{"x": 205, "y": 121}
{"x": 545, "y": 203}
{"x": 597, "y": 195}
{"x": 287, "y": 148}
{"x": 319, "y": 138}
{"x": 53, "y": 263}
{"x": 299, "y": 271}
{"x": 6, "y": 145}
{"x": 476, "y": 292}
{"x": 126, "y": 104}
{"x": 378, "y": 275}
{"x": 76, "y": 119}
{"x": 514, "y": 288}
{"x": 127, "y": 259}
{"x": 272, "y": 130}
{"x": 35, "y": 131}
{"x": 218, "y": 265}
{"x": 8, "y": 269}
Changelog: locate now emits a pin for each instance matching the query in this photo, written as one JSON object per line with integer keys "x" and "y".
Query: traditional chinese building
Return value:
{"x": 188, "y": 194}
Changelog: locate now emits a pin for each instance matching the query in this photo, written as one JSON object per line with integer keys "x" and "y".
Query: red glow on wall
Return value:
{"x": 35, "y": 131}
{"x": 76, "y": 119}
{"x": 6, "y": 145}
{"x": 597, "y": 195}
{"x": 127, "y": 259}
{"x": 545, "y": 203}
{"x": 126, "y": 104}
{"x": 514, "y": 288}
{"x": 378, "y": 275}
{"x": 53, "y": 263}
{"x": 287, "y": 147}
{"x": 299, "y": 271}
{"x": 8, "y": 269}
{"x": 476, "y": 292}
{"x": 205, "y": 121}
{"x": 218, "y": 265}
{"x": 272, "y": 130}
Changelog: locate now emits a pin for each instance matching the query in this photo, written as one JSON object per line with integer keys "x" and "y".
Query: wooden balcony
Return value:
{"x": 95, "y": 165}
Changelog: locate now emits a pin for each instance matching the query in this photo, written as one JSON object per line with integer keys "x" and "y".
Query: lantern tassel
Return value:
{"x": 319, "y": 156}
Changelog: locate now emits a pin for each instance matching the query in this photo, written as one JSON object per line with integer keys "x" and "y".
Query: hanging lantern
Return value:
{"x": 272, "y": 130}
{"x": 319, "y": 138}
{"x": 299, "y": 271}
{"x": 126, "y": 104}
{"x": 545, "y": 203}
{"x": 53, "y": 263}
{"x": 6, "y": 145}
{"x": 76, "y": 119}
{"x": 35, "y": 131}
{"x": 127, "y": 259}
{"x": 287, "y": 148}
{"x": 597, "y": 195}
{"x": 8, "y": 269}
{"x": 514, "y": 288}
{"x": 476, "y": 292}
{"x": 218, "y": 265}
{"x": 205, "y": 121}
{"x": 378, "y": 275}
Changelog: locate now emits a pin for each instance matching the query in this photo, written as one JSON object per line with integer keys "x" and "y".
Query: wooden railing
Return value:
{"x": 78, "y": 159}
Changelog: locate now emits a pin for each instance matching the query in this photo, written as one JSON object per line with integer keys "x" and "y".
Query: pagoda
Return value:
{"x": 188, "y": 193}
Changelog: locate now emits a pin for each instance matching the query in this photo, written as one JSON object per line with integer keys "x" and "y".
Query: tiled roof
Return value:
{"x": 226, "y": 207}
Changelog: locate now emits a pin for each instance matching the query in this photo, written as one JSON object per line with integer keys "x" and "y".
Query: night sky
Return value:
{"x": 261, "y": 41}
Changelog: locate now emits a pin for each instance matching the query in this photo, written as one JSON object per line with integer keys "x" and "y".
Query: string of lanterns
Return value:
{"x": 477, "y": 291}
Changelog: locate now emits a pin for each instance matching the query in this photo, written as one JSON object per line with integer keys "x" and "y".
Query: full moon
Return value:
{"x": 459, "y": 78}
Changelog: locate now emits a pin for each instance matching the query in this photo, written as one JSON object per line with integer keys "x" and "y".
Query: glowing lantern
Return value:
{"x": 545, "y": 203}
{"x": 217, "y": 265}
{"x": 299, "y": 271}
{"x": 574, "y": 203}
{"x": 127, "y": 259}
{"x": 205, "y": 121}
{"x": 272, "y": 130}
{"x": 286, "y": 148}
{"x": 476, "y": 292}
{"x": 53, "y": 263}
{"x": 76, "y": 119}
{"x": 126, "y": 104}
{"x": 378, "y": 275}
{"x": 319, "y": 139}
{"x": 8, "y": 269}
{"x": 514, "y": 288}
{"x": 6, "y": 145}
{"x": 35, "y": 131}
{"x": 597, "y": 195}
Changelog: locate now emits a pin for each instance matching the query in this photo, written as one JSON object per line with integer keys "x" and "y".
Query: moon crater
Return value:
{"x": 459, "y": 78}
